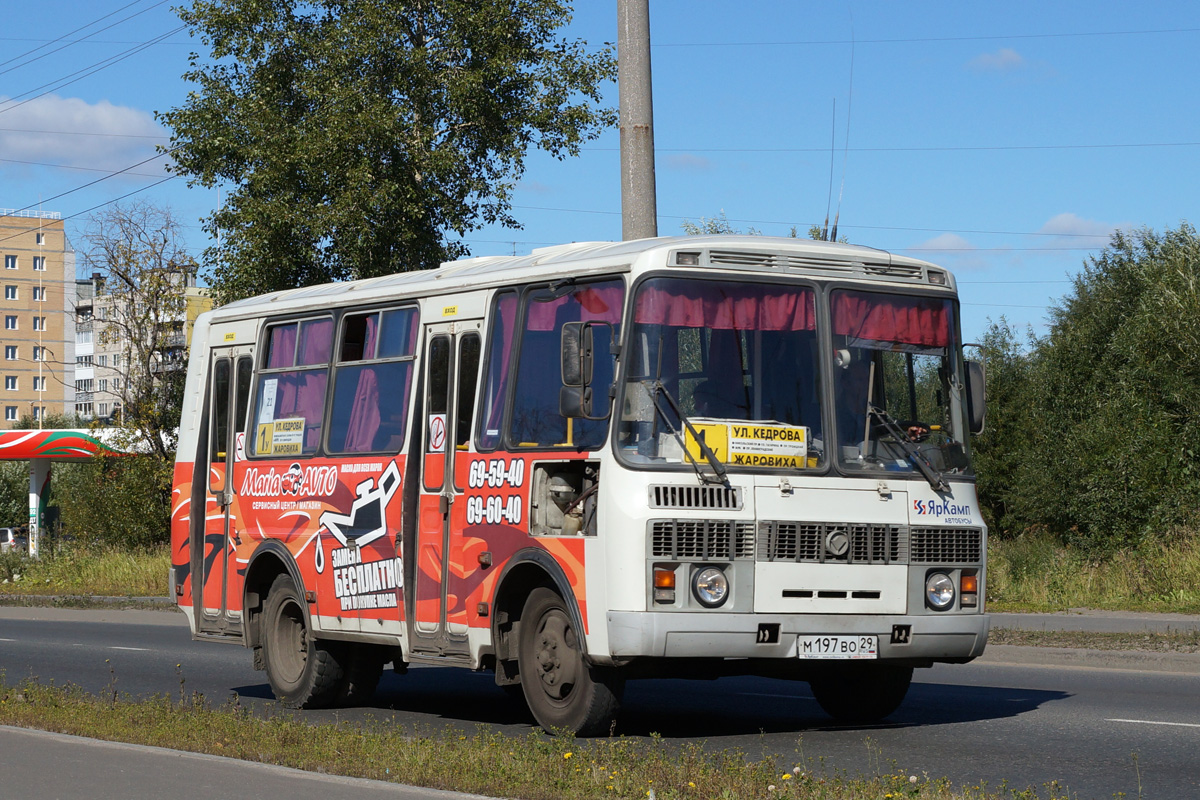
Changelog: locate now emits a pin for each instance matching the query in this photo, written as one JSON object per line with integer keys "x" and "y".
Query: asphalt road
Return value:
{"x": 1096, "y": 730}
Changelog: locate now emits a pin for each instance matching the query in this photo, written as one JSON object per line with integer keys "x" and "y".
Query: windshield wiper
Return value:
{"x": 911, "y": 451}
{"x": 657, "y": 391}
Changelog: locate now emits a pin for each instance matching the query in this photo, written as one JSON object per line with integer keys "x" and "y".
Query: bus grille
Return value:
{"x": 704, "y": 539}
{"x": 946, "y": 545}
{"x": 703, "y": 497}
{"x": 819, "y": 543}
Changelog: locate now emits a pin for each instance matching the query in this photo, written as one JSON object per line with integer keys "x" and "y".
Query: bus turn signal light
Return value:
{"x": 664, "y": 585}
{"x": 969, "y": 585}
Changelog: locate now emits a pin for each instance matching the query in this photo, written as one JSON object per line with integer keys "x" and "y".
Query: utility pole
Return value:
{"x": 639, "y": 208}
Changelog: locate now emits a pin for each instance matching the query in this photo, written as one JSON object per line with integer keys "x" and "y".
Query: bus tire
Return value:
{"x": 363, "y": 669}
{"x": 304, "y": 672}
{"x": 562, "y": 690}
{"x": 866, "y": 694}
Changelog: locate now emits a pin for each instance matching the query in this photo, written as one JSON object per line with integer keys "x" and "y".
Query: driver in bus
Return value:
{"x": 852, "y": 383}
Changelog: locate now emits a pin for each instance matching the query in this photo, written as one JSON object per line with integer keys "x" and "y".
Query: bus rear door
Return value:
{"x": 451, "y": 372}
{"x": 229, "y": 394}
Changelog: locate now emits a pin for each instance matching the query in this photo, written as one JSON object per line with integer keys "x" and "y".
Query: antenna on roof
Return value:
{"x": 846, "y": 147}
{"x": 829, "y": 194}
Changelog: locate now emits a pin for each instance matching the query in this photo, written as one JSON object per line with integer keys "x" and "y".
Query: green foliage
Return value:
{"x": 1094, "y": 431}
{"x": 117, "y": 501}
{"x": 359, "y": 135}
{"x": 1001, "y": 450}
{"x": 14, "y": 493}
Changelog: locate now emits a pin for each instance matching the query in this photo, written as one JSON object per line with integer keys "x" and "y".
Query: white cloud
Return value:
{"x": 1003, "y": 60}
{"x": 949, "y": 250}
{"x": 688, "y": 162}
{"x": 75, "y": 133}
{"x": 1072, "y": 226}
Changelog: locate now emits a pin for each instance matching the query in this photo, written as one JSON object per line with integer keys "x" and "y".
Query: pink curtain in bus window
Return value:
{"x": 316, "y": 342}
{"x": 597, "y": 304}
{"x": 369, "y": 344}
{"x": 282, "y": 349}
{"x": 701, "y": 304}
{"x": 310, "y": 403}
{"x": 364, "y": 414}
{"x": 504, "y": 330}
{"x": 888, "y": 318}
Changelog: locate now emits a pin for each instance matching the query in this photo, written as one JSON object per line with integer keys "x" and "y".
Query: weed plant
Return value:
{"x": 1037, "y": 573}
{"x": 77, "y": 568}
{"x": 532, "y": 767}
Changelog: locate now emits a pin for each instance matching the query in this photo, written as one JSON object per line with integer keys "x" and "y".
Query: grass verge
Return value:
{"x": 78, "y": 569}
{"x": 1036, "y": 573}
{"x": 534, "y": 767}
{"x": 1089, "y": 640}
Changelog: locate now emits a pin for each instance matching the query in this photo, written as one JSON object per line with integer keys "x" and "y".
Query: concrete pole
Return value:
{"x": 639, "y": 208}
{"x": 39, "y": 487}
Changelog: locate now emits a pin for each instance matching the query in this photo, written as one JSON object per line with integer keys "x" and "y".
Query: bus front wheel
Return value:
{"x": 866, "y": 694}
{"x": 303, "y": 672}
{"x": 561, "y": 689}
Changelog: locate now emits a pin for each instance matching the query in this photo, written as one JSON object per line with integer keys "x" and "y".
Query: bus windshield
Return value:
{"x": 898, "y": 392}
{"x": 720, "y": 350}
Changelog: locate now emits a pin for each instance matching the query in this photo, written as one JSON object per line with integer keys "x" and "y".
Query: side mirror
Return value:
{"x": 976, "y": 396}
{"x": 575, "y": 398}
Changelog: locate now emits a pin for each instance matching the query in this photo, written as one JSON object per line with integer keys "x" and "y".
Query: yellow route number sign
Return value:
{"x": 282, "y": 437}
{"x": 746, "y": 444}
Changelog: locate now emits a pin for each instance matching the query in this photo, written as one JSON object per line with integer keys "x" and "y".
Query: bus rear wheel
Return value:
{"x": 862, "y": 693}
{"x": 562, "y": 690}
{"x": 303, "y": 672}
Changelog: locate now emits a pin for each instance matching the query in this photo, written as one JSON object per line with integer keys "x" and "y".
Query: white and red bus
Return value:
{"x": 686, "y": 457}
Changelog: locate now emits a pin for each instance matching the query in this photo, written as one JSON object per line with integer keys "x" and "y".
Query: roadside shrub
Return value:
{"x": 117, "y": 501}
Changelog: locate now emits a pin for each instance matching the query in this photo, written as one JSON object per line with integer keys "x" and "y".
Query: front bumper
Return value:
{"x": 940, "y": 637}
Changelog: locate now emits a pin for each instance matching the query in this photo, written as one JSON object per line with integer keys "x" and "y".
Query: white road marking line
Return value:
{"x": 1154, "y": 722}
{"x": 137, "y": 649}
{"x": 2, "y": 639}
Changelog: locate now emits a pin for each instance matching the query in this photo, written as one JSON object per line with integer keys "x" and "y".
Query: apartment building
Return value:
{"x": 37, "y": 306}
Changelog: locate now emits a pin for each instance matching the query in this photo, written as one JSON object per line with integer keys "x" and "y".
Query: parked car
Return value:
{"x": 11, "y": 539}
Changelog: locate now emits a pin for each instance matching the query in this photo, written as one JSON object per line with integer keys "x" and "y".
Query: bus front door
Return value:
{"x": 229, "y": 394}
{"x": 451, "y": 367}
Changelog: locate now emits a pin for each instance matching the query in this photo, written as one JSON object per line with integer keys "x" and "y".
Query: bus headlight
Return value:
{"x": 939, "y": 591}
{"x": 710, "y": 587}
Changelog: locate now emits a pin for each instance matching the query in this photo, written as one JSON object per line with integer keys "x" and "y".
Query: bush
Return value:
{"x": 116, "y": 501}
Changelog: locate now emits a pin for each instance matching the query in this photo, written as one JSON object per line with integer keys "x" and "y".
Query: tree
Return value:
{"x": 142, "y": 313}
{"x": 1115, "y": 394}
{"x": 359, "y": 135}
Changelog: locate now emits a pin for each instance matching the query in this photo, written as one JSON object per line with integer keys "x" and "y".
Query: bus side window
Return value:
{"x": 468, "y": 376}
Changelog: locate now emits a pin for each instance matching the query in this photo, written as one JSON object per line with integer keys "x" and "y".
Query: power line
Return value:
{"x": 98, "y": 180}
{"x": 855, "y": 227}
{"x": 77, "y": 30}
{"x": 68, "y": 166}
{"x": 950, "y": 149}
{"x": 928, "y": 39}
{"x": 87, "y": 71}
{"x": 100, "y": 205}
{"x": 86, "y": 133}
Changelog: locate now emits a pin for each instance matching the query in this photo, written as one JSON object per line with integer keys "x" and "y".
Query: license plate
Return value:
{"x": 838, "y": 647}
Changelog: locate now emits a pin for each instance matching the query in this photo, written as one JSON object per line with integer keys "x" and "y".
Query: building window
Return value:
{"x": 116, "y": 360}
{"x": 41, "y": 238}
{"x": 10, "y": 352}
{"x": 103, "y": 385}
{"x": 10, "y": 413}
{"x": 104, "y": 409}
{"x": 83, "y": 385}
{"x": 10, "y": 323}
{"x": 39, "y": 323}
{"x": 39, "y": 263}
{"x": 83, "y": 361}
{"x": 10, "y": 262}
{"x": 83, "y": 409}
{"x": 39, "y": 384}
{"x": 10, "y": 292}
{"x": 39, "y": 412}
{"x": 39, "y": 294}
{"x": 116, "y": 384}
{"x": 10, "y": 382}
{"x": 102, "y": 360}
{"x": 37, "y": 354}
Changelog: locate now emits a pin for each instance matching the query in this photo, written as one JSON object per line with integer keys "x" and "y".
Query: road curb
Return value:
{"x": 1132, "y": 660}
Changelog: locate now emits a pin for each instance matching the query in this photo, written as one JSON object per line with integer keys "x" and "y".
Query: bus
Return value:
{"x": 684, "y": 457}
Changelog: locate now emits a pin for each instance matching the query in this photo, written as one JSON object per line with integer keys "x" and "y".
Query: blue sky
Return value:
{"x": 1005, "y": 141}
